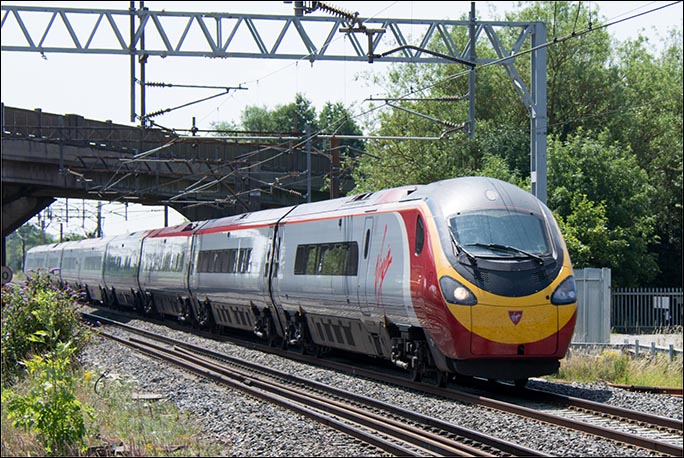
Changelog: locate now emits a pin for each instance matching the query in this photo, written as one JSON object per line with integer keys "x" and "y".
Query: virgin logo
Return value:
{"x": 382, "y": 264}
{"x": 515, "y": 316}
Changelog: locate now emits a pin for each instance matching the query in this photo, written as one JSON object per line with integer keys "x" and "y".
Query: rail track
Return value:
{"x": 650, "y": 389}
{"x": 390, "y": 428}
{"x": 658, "y": 434}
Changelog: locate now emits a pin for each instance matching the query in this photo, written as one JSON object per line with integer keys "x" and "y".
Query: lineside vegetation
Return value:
{"x": 50, "y": 404}
{"x": 54, "y": 406}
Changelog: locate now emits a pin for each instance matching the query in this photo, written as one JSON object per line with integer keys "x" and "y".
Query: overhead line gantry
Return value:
{"x": 141, "y": 34}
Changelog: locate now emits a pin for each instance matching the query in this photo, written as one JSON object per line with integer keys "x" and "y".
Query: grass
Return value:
{"x": 140, "y": 427}
{"x": 123, "y": 425}
{"x": 614, "y": 366}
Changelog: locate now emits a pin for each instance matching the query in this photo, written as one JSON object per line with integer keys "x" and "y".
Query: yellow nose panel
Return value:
{"x": 514, "y": 324}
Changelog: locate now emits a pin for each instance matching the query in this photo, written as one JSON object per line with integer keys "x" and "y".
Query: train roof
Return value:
{"x": 39, "y": 248}
{"x": 85, "y": 244}
{"x": 179, "y": 230}
{"x": 258, "y": 218}
{"x": 353, "y": 203}
{"x": 476, "y": 193}
{"x": 132, "y": 235}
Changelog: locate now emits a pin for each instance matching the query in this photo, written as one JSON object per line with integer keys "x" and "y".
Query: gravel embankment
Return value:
{"x": 244, "y": 426}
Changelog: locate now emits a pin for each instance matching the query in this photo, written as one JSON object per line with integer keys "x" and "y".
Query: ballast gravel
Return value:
{"x": 241, "y": 425}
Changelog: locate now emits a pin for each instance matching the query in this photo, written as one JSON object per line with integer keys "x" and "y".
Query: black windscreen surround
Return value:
{"x": 420, "y": 235}
{"x": 498, "y": 237}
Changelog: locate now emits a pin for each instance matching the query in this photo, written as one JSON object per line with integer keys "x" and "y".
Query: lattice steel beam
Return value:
{"x": 223, "y": 35}
{"x": 193, "y": 34}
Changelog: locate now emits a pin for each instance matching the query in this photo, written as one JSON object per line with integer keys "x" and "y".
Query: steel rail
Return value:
{"x": 626, "y": 438}
{"x": 445, "y": 445}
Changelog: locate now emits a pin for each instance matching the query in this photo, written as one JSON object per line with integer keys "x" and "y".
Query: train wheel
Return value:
{"x": 205, "y": 319}
{"x": 416, "y": 372}
{"x": 463, "y": 379}
{"x": 272, "y": 338}
{"x": 149, "y": 308}
{"x": 138, "y": 301}
{"x": 270, "y": 334}
{"x": 441, "y": 378}
{"x": 314, "y": 350}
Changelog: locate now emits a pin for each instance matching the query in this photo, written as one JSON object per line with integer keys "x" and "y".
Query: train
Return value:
{"x": 464, "y": 277}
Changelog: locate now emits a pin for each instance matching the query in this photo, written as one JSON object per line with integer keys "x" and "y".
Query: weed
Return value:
{"x": 37, "y": 308}
{"x": 49, "y": 405}
{"x": 622, "y": 368}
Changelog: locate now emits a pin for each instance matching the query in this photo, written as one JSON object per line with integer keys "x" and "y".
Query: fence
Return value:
{"x": 646, "y": 310}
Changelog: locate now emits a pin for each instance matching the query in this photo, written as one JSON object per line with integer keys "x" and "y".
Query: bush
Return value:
{"x": 37, "y": 308}
{"x": 49, "y": 405}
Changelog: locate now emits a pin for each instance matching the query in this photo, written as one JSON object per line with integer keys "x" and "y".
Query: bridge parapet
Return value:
{"x": 46, "y": 156}
{"x": 76, "y": 130}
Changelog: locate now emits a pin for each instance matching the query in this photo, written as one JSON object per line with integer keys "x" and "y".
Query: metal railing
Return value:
{"x": 636, "y": 349}
{"x": 646, "y": 310}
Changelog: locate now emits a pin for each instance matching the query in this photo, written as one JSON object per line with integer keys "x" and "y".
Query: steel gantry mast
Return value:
{"x": 142, "y": 34}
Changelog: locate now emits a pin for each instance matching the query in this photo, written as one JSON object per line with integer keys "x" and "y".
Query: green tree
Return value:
{"x": 600, "y": 95}
{"x": 22, "y": 240}
{"x": 650, "y": 121}
{"x": 290, "y": 118}
{"x": 603, "y": 196}
{"x": 293, "y": 119}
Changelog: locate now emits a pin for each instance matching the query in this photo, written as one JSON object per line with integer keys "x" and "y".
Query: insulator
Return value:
{"x": 156, "y": 113}
{"x": 337, "y": 11}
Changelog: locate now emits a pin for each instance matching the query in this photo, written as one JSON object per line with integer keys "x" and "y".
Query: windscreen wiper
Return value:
{"x": 508, "y": 248}
{"x": 461, "y": 249}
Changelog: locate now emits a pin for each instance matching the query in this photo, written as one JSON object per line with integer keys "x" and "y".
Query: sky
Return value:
{"x": 98, "y": 87}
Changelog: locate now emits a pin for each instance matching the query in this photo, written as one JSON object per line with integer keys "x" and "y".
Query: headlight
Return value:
{"x": 566, "y": 293}
{"x": 455, "y": 293}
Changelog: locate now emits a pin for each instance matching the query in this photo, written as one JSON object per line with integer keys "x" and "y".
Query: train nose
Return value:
{"x": 501, "y": 330}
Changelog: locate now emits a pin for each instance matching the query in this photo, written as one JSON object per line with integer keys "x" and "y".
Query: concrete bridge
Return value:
{"x": 47, "y": 156}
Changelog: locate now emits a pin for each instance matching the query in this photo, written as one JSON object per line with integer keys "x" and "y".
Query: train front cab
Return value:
{"x": 507, "y": 307}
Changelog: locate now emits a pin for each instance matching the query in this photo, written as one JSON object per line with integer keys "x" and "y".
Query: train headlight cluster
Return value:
{"x": 455, "y": 293}
{"x": 566, "y": 293}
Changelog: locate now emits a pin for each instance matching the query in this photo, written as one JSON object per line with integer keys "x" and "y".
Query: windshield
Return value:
{"x": 500, "y": 233}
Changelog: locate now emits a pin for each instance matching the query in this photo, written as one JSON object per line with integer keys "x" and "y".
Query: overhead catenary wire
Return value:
{"x": 554, "y": 40}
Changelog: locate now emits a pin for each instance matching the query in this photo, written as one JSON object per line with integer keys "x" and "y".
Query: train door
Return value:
{"x": 271, "y": 268}
{"x": 364, "y": 282}
{"x": 193, "y": 253}
{"x": 269, "y": 286}
{"x": 349, "y": 279}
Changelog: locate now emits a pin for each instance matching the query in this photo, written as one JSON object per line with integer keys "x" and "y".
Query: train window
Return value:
{"x": 230, "y": 260}
{"x": 69, "y": 263}
{"x": 420, "y": 235}
{"x": 225, "y": 261}
{"x": 366, "y": 244}
{"x": 479, "y": 230}
{"x": 340, "y": 258}
{"x": 243, "y": 259}
{"x": 92, "y": 263}
{"x": 180, "y": 261}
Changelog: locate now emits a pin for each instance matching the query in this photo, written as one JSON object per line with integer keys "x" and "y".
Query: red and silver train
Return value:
{"x": 466, "y": 276}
